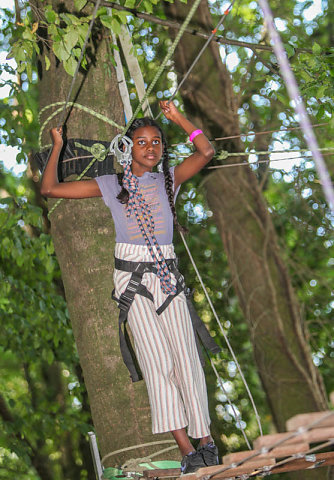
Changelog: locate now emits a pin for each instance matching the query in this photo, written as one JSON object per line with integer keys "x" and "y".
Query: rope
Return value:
{"x": 76, "y": 105}
{"x": 224, "y": 334}
{"x": 223, "y": 154}
{"x": 193, "y": 31}
{"x": 213, "y": 33}
{"x": 298, "y": 103}
{"x": 236, "y": 415}
{"x": 62, "y": 116}
{"x": 133, "y": 464}
{"x": 268, "y": 469}
{"x": 265, "y": 450}
{"x": 265, "y": 132}
{"x": 164, "y": 63}
{"x": 283, "y": 159}
{"x": 145, "y": 221}
{"x": 133, "y": 447}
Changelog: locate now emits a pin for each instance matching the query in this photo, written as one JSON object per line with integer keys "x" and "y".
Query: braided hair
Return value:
{"x": 123, "y": 196}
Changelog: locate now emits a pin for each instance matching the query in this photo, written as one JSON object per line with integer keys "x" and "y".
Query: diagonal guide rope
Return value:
{"x": 165, "y": 61}
{"x": 224, "y": 334}
{"x": 298, "y": 104}
{"x": 206, "y": 44}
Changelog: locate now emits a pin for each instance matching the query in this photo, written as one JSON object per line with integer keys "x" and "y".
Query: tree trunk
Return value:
{"x": 83, "y": 235}
{"x": 291, "y": 381}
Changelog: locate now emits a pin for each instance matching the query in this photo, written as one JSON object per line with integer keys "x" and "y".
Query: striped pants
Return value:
{"x": 166, "y": 351}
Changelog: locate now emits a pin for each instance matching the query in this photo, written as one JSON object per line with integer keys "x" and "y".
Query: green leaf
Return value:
{"x": 106, "y": 21}
{"x": 148, "y": 6}
{"x": 289, "y": 50}
{"x": 130, "y": 3}
{"x": 50, "y": 14}
{"x": 60, "y": 51}
{"x": 70, "y": 39}
{"x": 123, "y": 16}
{"x": 52, "y": 30}
{"x": 79, "y": 4}
{"x": 70, "y": 65}
{"x": 316, "y": 49}
{"x": 27, "y": 35}
{"x": 47, "y": 62}
{"x": 29, "y": 71}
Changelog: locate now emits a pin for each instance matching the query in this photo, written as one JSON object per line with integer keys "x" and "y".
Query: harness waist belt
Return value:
{"x": 134, "y": 287}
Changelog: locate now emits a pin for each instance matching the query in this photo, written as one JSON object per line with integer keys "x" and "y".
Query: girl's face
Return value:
{"x": 146, "y": 151}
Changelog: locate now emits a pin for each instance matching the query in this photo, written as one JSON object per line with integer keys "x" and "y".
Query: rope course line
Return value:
{"x": 264, "y": 450}
{"x": 298, "y": 104}
{"x": 71, "y": 104}
{"x": 200, "y": 53}
{"x": 192, "y": 31}
{"x": 133, "y": 447}
{"x": 164, "y": 63}
{"x": 242, "y": 164}
{"x": 267, "y": 470}
{"x": 250, "y": 133}
{"x": 224, "y": 334}
{"x": 223, "y": 154}
{"x": 237, "y": 416}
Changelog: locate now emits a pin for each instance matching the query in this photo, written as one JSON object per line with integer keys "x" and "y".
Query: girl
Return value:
{"x": 148, "y": 287}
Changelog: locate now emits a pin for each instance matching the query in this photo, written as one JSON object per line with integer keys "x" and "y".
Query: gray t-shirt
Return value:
{"x": 152, "y": 187}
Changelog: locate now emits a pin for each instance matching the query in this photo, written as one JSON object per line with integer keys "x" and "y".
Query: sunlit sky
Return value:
{"x": 8, "y": 154}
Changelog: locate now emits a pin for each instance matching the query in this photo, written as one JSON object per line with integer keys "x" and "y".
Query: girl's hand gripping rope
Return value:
{"x": 203, "y": 148}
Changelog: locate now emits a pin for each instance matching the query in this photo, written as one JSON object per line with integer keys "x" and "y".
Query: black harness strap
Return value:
{"x": 134, "y": 287}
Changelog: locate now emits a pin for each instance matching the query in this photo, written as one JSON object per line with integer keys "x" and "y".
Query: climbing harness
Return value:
{"x": 136, "y": 287}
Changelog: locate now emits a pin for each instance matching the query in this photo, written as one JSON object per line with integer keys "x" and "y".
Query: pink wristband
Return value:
{"x": 194, "y": 134}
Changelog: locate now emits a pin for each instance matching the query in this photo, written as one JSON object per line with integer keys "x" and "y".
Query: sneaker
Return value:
{"x": 209, "y": 453}
{"x": 192, "y": 462}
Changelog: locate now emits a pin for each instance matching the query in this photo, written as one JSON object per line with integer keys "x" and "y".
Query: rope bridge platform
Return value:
{"x": 303, "y": 446}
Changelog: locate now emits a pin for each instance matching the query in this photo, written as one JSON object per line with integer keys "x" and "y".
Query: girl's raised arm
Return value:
{"x": 50, "y": 186}
{"x": 204, "y": 150}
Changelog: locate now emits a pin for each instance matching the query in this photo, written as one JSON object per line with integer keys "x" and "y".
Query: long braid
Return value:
{"x": 169, "y": 186}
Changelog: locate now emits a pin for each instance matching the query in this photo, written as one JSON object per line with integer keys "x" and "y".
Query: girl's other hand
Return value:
{"x": 57, "y": 136}
{"x": 169, "y": 110}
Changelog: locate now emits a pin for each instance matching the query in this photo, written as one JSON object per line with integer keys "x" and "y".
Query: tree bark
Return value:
{"x": 83, "y": 235}
{"x": 283, "y": 357}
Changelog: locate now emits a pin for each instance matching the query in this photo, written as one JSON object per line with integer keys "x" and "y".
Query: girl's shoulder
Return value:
{"x": 109, "y": 186}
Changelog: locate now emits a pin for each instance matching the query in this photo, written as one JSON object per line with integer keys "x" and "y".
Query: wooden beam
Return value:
{"x": 279, "y": 452}
{"x": 304, "y": 419}
{"x": 312, "y": 436}
{"x": 320, "y": 460}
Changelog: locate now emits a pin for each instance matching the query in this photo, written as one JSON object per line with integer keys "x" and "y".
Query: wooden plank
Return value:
{"x": 312, "y": 436}
{"x": 231, "y": 472}
{"x": 279, "y": 452}
{"x": 304, "y": 419}
{"x": 321, "y": 460}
